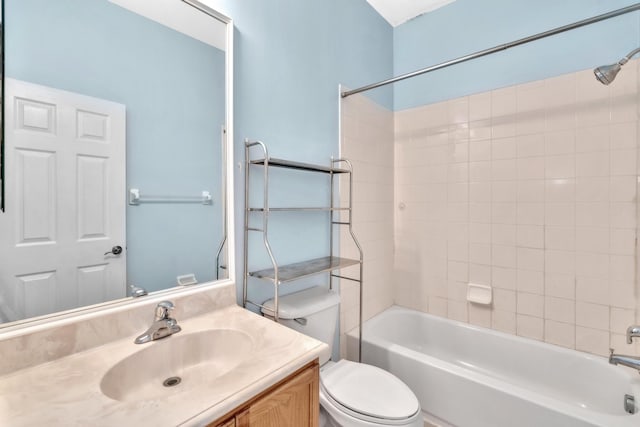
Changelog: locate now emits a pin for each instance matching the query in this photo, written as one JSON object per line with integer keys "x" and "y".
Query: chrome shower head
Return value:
{"x": 605, "y": 74}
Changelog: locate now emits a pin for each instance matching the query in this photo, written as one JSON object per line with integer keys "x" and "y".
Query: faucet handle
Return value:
{"x": 162, "y": 310}
{"x": 633, "y": 331}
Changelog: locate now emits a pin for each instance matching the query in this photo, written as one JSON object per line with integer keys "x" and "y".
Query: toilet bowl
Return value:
{"x": 351, "y": 394}
{"x": 359, "y": 395}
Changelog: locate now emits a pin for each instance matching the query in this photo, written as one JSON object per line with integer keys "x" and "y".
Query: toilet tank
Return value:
{"x": 313, "y": 312}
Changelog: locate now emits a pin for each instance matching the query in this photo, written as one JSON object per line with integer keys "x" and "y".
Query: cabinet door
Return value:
{"x": 293, "y": 404}
{"x": 229, "y": 423}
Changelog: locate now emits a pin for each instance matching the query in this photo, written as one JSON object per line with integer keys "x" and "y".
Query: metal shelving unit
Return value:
{"x": 280, "y": 274}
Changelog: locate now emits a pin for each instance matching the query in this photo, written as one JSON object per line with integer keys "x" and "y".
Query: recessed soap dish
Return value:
{"x": 479, "y": 294}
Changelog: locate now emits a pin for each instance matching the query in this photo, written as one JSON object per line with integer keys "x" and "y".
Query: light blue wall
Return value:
{"x": 467, "y": 26}
{"x": 173, "y": 89}
{"x": 290, "y": 57}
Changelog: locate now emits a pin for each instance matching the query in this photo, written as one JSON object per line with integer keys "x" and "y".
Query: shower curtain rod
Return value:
{"x": 498, "y": 48}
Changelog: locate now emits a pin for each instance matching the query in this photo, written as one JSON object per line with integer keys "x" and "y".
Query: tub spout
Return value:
{"x": 628, "y": 361}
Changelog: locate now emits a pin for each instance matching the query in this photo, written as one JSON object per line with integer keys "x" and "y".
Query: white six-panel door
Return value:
{"x": 65, "y": 201}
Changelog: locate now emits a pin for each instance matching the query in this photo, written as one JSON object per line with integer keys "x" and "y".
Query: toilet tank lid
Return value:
{"x": 303, "y": 303}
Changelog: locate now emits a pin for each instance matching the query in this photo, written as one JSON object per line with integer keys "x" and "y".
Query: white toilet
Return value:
{"x": 351, "y": 394}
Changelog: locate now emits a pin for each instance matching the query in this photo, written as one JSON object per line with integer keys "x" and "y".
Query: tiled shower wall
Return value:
{"x": 531, "y": 189}
{"x": 367, "y": 141}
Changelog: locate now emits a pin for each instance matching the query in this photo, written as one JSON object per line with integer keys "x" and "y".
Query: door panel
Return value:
{"x": 65, "y": 201}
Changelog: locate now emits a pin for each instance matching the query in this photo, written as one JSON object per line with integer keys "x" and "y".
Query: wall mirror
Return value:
{"x": 117, "y": 114}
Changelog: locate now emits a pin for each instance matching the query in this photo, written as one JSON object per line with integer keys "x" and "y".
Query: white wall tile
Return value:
{"x": 531, "y": 213}
{"x": 480, "y": 274}
{"x": 592, "y": 214}
{"x": 560, "y": 238}
{"x": 503, "y": 102}
{"x": 560, "y": 285}
{"x": 504, "y": 191}
{"x": 458, "y": 110}
{"x": 503, "y": 169}
{"x": 560, "y": 190}
{"x": 560, "y": 166}
{"x": 480, "y": 133}
{"x": 593, "y": 239}
{"x": 560, "y": 262}
{"x": 623, "y": 135}
{"x": 503, "y": 234}
{"x": 621, "y": 319}
{"x": 504, "y": 299}
{"x": 592, "y": 265}
{"x": 623, "y": 162}
{"x": 480, "y": 212}
{"x": 530, "y": 327}
{"x": 531, "y": 236}
{"x": 504, "y": 212}
{"x": 592, "y": 138}
{"x": 530, "y": 145}
{"x": 623, "y": 215}
{"x": 530, "y": 304}
{"x": 457, "y": 310}
{"x": 531, "y": 282}
{"x": 504, "y": 321}
{"x": 503, "y": 148}
{"x": 504, "y": 256}
{"x": 623, "y": 188}
{"x": 592, "y": 290}
{"x": 562, "y": 214}
{"x": 479, "y": 315}
{"x": 592, "y": 340}
{"x": 558, "y": 333}
{"x": 504, "y": 278}
{"x": 622, "y": 241}
{"x": 480, "y": 106}
{"x": 592, "y": 189}
{"x": 594, "y": 316}
{"x": 560, "y": 309}
{"x": 480, "y": 253}
{"x": 532, "y": 189}
{"x": 560, "y": 142}
{"x": 622, "y": 268}
{"x": 531, "y": 168}
{"x": 595, "y": 163}
{"x": 479, "y": 232}
{"x": 481, "y": 171}
{"x": 530, "y": 259}
{"x": 622, "y": 295}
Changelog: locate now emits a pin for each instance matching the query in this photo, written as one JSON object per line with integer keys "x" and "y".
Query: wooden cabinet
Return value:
{"x": 293, "y": 402}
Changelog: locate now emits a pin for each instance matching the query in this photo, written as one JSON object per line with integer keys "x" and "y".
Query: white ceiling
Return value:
{"x": 181, "y": 17}
{"x": 397, "y": 12}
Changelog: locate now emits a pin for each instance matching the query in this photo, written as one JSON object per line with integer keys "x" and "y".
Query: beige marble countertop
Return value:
{"x": 66, "y": 392}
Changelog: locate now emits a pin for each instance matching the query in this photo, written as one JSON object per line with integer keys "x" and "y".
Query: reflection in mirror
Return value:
{"x": 114, "y": 144}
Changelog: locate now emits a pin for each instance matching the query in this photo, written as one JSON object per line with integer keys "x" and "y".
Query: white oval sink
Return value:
{"x": 175, "y": 364}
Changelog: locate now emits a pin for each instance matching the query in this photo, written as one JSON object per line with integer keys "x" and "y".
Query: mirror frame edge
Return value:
{"x": 2, "y": 159}
{"x": 62, "y": 318}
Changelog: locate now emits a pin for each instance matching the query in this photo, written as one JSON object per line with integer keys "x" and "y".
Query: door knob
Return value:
{"x": 116, "y": 250}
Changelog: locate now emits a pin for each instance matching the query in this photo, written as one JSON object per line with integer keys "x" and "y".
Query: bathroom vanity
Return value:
{"x": 291, "y": 402}
{"x": 234, "y": 368}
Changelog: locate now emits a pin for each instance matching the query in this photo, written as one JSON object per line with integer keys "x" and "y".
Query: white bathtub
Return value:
{"x": 475, "y": 377}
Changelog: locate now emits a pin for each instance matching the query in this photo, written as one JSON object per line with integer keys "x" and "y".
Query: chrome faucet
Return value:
{"x": 162, "y": 325}
{"x": 628, "y": 361}
{"x": 633, "y": 331}
{"x": 621, "y": 359}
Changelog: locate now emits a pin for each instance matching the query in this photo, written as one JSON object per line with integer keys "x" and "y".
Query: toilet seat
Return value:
{"x": 368, "y": 393}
